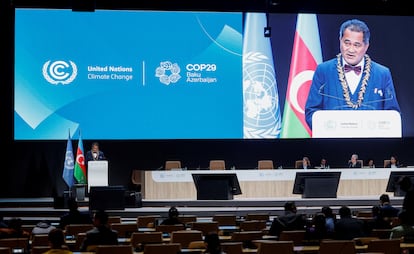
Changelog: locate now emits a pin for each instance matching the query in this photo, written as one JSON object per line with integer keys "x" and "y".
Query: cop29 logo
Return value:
{"x": 59, "y": 72}
{"x": 168, "y": 72}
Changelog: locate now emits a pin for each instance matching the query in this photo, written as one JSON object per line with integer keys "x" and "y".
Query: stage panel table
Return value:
{"x": 254, "y": 183}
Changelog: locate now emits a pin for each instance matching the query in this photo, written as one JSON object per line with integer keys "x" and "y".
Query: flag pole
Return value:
{"x": 80, "y": 170}
{"x": 68, "y": 165}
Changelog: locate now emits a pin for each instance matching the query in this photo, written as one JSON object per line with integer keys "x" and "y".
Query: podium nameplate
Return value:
{"x": 356, "y": 124}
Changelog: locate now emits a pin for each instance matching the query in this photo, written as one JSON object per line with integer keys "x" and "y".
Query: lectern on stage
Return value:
{"x": 216, "y": 186}
{"x": 316, "y": 184}
{"x": 97, "y": 173}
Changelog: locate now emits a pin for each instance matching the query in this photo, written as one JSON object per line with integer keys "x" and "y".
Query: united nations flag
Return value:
{"x": 261, "y": 112}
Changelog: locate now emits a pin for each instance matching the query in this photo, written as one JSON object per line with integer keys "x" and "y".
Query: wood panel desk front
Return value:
{"x": 255, "y": 183}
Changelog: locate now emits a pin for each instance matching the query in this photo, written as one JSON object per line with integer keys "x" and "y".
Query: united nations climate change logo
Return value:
{"x": 59, "y": 72}
{"x": 168, "y": 72}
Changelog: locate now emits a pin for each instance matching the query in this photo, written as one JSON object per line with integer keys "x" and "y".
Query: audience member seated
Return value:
{"x": 382, "y": 215}
{"x": 330, "y": 219}
{"x": 291, "y": 220}
{"x": 387, "y": 210}
{"x": 14, "y": 229}
{"x": 354, "y": 162}
{"x": 378, "y": 221}
{"x": 408, "y": 203}
{"x": 101, "y": 234}
{"x": 403, "y": 231}
{"x": 57, "y": 242}
{"x": 74, "y": 216}
{"x": 172, "y": 217}
{"x": 317, "y": 230}
{"x": 394, "y": 163}
{"x": 42, "y": 227}
{"x": 346, "y": 227}
{"x": 212, "y": 243}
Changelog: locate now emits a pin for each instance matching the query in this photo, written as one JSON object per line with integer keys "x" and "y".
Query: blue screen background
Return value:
{"x": 135, "y": 104}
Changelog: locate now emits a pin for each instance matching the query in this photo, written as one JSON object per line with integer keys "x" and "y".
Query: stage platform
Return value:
{"x": 262, "y": 191}
{"x": 32, "y": 210}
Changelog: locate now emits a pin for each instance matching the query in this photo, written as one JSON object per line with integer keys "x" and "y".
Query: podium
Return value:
{"x": 97, "y": 173}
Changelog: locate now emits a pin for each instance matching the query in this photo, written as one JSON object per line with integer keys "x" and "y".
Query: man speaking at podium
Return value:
{"x": 97, "y": 167}
{"x": 95, "y": 154}
{"x": 351, "y": 81}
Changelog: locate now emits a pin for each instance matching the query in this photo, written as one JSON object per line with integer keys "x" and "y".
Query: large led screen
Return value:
{"x": 112, "y": 74}
{"x": 128, "y": 75}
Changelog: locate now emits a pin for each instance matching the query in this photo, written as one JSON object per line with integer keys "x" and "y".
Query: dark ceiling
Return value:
{"x": 383, "y": 7}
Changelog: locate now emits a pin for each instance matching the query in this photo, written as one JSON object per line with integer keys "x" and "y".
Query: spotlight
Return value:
{"x": 267, "y": 31}
{"x": 274, "y": 2}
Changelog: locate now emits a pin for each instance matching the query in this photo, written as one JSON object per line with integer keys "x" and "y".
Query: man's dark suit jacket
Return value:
{"x": 89, "y": 156}
{"x": 349, "y": 228}
{"x": 357, "y": 165}
{"x": 286, "y": 222}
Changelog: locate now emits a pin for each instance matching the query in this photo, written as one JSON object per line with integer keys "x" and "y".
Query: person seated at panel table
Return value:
{"x": 353, "y": 162}
{"x": 94, "y": 154}
{"x": 370, "y": 163}
{"x": 306, "y": 164}
{"x": 394, "y": 163}
{"x": 324, "y": 164}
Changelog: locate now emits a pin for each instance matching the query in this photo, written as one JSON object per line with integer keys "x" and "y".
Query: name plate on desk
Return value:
{"x": 356, "y": 124}
{"x": 271, "y": 175}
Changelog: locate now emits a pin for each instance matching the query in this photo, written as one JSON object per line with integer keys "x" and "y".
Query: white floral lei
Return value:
{"x": 344, "y": 84}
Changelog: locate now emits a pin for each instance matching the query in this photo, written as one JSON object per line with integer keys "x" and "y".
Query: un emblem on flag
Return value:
{"x": 261, "y": 100}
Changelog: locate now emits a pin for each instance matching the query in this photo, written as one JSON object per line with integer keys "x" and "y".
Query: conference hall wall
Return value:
{"x": 191, "y": 86}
